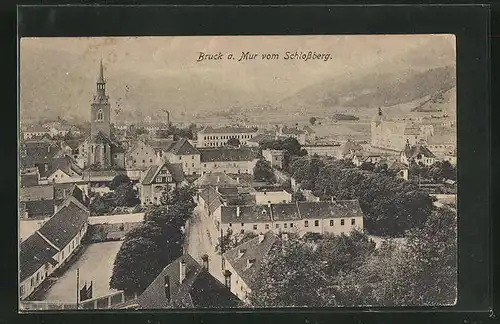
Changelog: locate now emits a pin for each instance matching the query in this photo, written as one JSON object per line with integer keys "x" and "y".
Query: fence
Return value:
{"x": 114, "y": 300}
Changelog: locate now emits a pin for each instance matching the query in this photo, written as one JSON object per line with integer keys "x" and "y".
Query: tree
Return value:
{"x": 263, "y": 171}
{"x": 312, "y": 120}
{"x": 119, "y": 180}
{"x": 367, "y": 166}
{"x": 126, "y": 195}
{"x": 233, "y": 142}
{"x": 137, "y": 264}
{"x": 140, "y": 131}
{"x": 101, "y": 205}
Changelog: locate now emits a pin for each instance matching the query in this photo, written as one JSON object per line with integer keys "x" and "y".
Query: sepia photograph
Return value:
{"x": 237, "y": 172}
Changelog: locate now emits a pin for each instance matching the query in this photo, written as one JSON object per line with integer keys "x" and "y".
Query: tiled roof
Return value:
{"x": 247, "y": 214}
{"x": 100, "y": 138}
{"x": 351, "y": 146}
{"x": 283, "y": 212}
{"x": 35, "y": 153}
{"x": 290, "y": 211}
{"x": 199, "y": 289}
{"x": 61, "y": 228}
{"x": 161, "y": 144}
{"x": 228, "y": 130}
{"x": 253, "y": 250}
{"x": 215, "y": 179}
{"x": 183, "y": 147}
{"x": 65, "y": 164}
{"x": 34, "y": 252}
{"x": 38, "y": 208}
{"x": 174, "y": 169}
{"x": 413, "y": 151}
{"x": 63, "y": 190}
{"x": 227, "y": 154}
{"x": 40, "y": 192}
{"x": 29, "y": 180}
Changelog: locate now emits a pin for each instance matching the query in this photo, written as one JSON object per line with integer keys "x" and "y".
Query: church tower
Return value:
{"x": 100, "y": 109}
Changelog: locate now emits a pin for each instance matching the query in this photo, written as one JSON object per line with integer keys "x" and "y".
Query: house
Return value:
{"x": 35, "y": 131}
{"x": 310, "y": 133}
{"x": 228, "y": 160}
{"x": 349, "y": 149}
{"x": 185, "y": 283}
{"x": 30, "y": 177}
{"x": 141, "y": 156}
{"x": 300, "y": 217}
{"x": 64, "y": 190}
{"x": 272, "y": 197}
{"x": 418, "y": 154}
{"x": 37, "y": 154}
{"x": 184, "y": 153}
{"x": 333, "y": 149}
{"x": 218, "y": 137}
{"x": 296, "y": 133}
{"x": 51, "y": 246}
{"x": 400, "y": 169}
{"x": 158, "y": 178}
{"x": 36, "y": 201}
{"x": 360, "y": 158}
{"x": 241, "y": 264}
{"x": 60, "y": 130}
{"x": 63, "y": 170}
{"x": 275, "y": 157}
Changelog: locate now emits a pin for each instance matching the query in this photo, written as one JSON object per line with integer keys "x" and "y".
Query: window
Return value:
{"x": 353, "y": 221}
{"x": 192, "y": 157}
{"x": 192, "y": 165}
{"x": 32, "y": 282}
{"x": 242, "y": 224}
{"x": 331, "y": 222}
{"x": 180, "y": 157}
{"x": 267, "y": 226}
{"x": 341, "y": 222}
{"x": 277, "y": 225}
{"x": 255, "y": 227}
{"x": 230, "y": 225}
{"x": 306, "y": 223}
{"x": 150, "y": 160}
{"x": 99, "y": 114}
{"x": 143, "y": 161}
{"x": 204, "y": 165}
{"x": 242, "y": 231}
{"x": 158, "y": 179}
{"x": 316, "y": 223}
{"x": 21, "y": 290}
{"x": 291, "y": 224}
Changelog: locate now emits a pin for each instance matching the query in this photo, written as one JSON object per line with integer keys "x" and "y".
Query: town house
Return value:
{"x": 228, "y": 160}
{"x": 158, "y": 178}
{"x": 218, "y": 137}
{"x": 418, "y": 154}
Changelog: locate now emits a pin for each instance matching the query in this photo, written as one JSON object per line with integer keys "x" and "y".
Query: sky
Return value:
{"x": 168, "y": 60}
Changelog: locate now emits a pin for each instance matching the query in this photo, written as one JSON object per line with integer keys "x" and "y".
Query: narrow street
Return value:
{"x": 201, "y": 239}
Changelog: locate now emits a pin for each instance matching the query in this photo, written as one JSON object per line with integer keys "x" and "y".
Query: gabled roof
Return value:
{"x": 228, "y": 130}
{"x": 61, "y": 228}
{"x": 247, "y": 214}
{"x": 100, "y": 138}
{"x": 413, "y": 151}
{"x": 174, "y": 169}
{"x": 351, "y": 146}
{"x": 227, "y": 154}
{"x": 38, "y": 208}
{"x": 259, "y": 138}
{"x": 253, "y": 250}
{"x": 199, "y": 289}
{"x": 65, "y": 164}
{"x": 328, "y": 209}
{"x": 183, "y": 147}
{"x": 64, "y": 190}
{"x": 161, "y": 144}
{"x": 283, "y": 212}
{"x": 34, "y": 252}
{"x": 40, "y": 192}
{"x": 215, "y": 179}
{"x": 37, "y": 153}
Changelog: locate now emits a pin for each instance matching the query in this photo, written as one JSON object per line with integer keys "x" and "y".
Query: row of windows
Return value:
{"x": 180, "y": 157}
{"x": 306, "y": 224}
{"x": 226, "y": 137}
{"x": 144, "y": 161}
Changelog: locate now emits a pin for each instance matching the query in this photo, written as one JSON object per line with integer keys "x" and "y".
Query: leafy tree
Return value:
{"x": 263, "y": 171}
{"x": 312, "y": 120}
{"x": 137, "y": 264}
{"x": 119, "y": 180}
{"x": 101, "y": 205}
{"x": 298, "y": 196}
{"x": 233, "y": 142}
{"x": 140, "y": 131}
{"x": 126, "y": 195}
{"x": 367, "y": 166}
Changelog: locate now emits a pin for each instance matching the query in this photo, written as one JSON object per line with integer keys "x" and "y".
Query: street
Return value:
{"x": 96, "y": 264}
{"x": 201, "y": 239}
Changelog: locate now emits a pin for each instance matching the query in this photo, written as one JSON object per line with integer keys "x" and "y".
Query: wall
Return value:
{"x": 238, "y": 286}
{"x": 190, "y": 163}
{"x": 273, "y": 197}
{"x": 141, "y": 157}
{"x": 232, "y": 167}
{"x": 324, "y": 150}
{"x": 218, "y": 140}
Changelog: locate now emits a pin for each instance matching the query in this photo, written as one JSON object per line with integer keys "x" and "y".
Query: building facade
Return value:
{"x": 218, "y": 137}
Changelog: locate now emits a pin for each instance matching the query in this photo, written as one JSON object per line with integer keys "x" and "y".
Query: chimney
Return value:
{"x": 237, "y": 179}
{"x": 182, "y": 272}
{"x": 217, "y": 188}
{"x": 237, "y": 211}
{"x": 204, "y": 259}
{"x": 227, "y": 279}
{"x": 261, "y": 237}
{"x": 241, "y": 252}
{"x": 250, "y": 262}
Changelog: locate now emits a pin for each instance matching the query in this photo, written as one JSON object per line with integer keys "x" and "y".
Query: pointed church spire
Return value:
{"x": 100, "y": 79}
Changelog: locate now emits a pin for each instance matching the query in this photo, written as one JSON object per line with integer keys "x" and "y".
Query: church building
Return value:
{"x": 99, "y": 149}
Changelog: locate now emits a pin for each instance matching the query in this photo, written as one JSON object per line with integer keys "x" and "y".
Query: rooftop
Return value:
{"x": 40, "y": 192}
{"x": 415, "y": 150}
{"x": 175, "y": 170}
{"x": 227, "y": 130}
{"x": 227, "y": 154}
{"x": 199, "y": 289}
{"x": 34, "y": 252}
{"x": 215, "y": 179}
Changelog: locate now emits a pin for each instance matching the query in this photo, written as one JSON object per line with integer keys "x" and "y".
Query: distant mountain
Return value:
{"x": 375, "y": 89}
